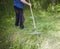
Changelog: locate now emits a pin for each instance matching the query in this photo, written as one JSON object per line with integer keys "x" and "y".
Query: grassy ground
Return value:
{"x": 11, "y": 37}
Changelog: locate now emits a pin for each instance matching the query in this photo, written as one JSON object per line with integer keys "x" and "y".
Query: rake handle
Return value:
{"x": 32, "y": 16}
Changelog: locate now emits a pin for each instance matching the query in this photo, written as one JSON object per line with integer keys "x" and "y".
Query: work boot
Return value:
{"x": 16, "y": 25}
{"x": 21, "y": 26}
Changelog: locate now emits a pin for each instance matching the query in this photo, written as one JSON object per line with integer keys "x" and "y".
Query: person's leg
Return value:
{"x": 21, "y": 18}
{"x": 17, "y": 16}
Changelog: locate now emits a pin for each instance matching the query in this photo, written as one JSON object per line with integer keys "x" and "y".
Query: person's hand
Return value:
{"x": 30, "y": 4}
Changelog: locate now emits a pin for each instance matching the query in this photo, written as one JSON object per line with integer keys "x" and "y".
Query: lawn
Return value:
{"x": 12, "y": 37}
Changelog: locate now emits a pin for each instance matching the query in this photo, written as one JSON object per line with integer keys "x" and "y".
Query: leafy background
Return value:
{"x": 47, "y": 22}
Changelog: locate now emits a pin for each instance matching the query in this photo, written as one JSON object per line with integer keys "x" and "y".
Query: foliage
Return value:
{"x": 48, "y": 22}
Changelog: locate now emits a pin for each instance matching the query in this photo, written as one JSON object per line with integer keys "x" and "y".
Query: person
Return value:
{"x": 18, "y": 6}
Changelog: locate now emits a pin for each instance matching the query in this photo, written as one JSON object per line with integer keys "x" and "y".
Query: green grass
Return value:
{"x": 11, "y": 37}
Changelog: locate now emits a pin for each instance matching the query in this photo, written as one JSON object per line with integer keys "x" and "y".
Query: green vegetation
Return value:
{"x": 47, "y": 21}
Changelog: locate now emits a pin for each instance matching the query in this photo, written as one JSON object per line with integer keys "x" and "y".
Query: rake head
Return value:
{"x": 35, "y": 32}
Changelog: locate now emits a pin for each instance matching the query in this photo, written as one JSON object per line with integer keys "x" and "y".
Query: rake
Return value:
{"x": 34, "y": 24}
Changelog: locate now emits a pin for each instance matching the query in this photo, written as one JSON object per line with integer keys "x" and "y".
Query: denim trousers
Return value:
{"x": 19, "y": 16}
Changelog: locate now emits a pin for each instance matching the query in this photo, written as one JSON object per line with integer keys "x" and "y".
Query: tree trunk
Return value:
{"x": 53, "y": 5}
